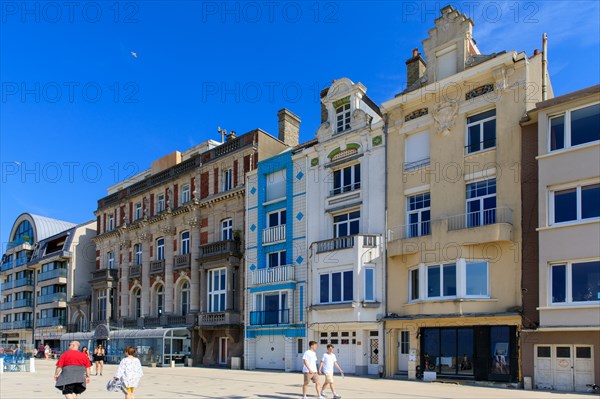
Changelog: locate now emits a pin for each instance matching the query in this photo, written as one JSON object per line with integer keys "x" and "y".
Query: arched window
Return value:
{"x": 136, "y": 303}
{"x": 185, "y": 243}
{"x": 23, "y": 233}
{"x": 160, "y": 249}
{"x": 159, "y": 300}
{"x": 185, "y": 298}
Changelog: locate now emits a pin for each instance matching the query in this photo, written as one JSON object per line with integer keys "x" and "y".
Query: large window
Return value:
{"x": 271, "y": 308}
{"x": 414, "y": 284}
{"x": 185, "y": 243}
{"x": 369, "y": 284}
{"x": 136, "y": 302}
{"x": 137, "y": 254}
{"x": 575, "y": 282}
{"x": 481, "y": 203}
{"x": 111, "y": 223}
{"x": 110, "y": 260}
{"x": 138, "y": 213}
{"x": 159, "y": 300}
{"x": 217, "y": 290}
{"x": 160, "y": 249}
{"x": 342, "y": 117}
{"x": 346, "y": 179}
{"x": 227, "y": 229}
{"x": 575, "y": 204}
{"x": 347, "y": 224}
{"x": 276, "y": 218}
{"x": 574, "y": 127}
{"x": 418, "y": 215}
{"x": 275, "y": 259}
{"x": 101, "y": 305}
{"x": 160, "y": 203}
{"x": 185, "y": 194}
{"x": 416, "y": 154}
{"x": 275, "y": 185}
{"x": 481, "y": 131}
{"x": 24, "y": 232}
{"x": 441, "y": 281}
{"x": 227, "y": 179}
{"x": 463, "y": 279}
{"x": 477, "y": 279}
{"x": 336, "y": 287}
{"x": 184, "y": 300}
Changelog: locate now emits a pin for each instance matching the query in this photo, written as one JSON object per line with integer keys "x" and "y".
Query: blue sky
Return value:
{"x": 79, "y": 112}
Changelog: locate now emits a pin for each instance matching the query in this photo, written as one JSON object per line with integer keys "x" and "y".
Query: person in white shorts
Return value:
{"x": 310, "y": 370}
{"x": 326, "y": 367}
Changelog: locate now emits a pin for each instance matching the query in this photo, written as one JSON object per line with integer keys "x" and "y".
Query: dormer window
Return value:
{"x": 342, "y": 115}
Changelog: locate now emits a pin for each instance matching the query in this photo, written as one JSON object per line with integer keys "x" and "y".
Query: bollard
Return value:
{"x": 32, "y": 365}
{"x": 172, "y": 363}
{"x": 1, "y": 365}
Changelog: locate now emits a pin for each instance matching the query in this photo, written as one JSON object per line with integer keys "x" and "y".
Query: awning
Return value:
{"x": 78, "y": 336}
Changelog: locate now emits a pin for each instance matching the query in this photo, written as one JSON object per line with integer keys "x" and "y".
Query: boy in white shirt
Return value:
{"x": 326, "y": 367}
{"x": 310, "y": 369}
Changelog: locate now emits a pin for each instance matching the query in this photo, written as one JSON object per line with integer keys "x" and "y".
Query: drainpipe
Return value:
{"x": 544, "y": 67}
{"x": 385, "y": 207}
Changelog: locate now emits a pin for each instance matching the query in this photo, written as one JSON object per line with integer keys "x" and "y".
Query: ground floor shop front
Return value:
{"x": 476, "y": 348}
{"x": 561, "y": 360}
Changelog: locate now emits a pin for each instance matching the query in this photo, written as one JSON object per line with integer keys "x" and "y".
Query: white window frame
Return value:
{"x": 138, "y": 253}
{"x": 370, "y": 269}
{"x": 481, "y": 200}
{"x": 281, "y": 220}
{"x": 185, "y": 194}
{"x": 274, "y": 179}
{"x": 551, "y": 193}
{"x": 184, "y": 247}
{"x": 346, "y": 187}
{"x": 227, "y": 229}
{"x": 160, "y": 249}
{"x": 101, "y": 304}
{"x": 419, "y": 271}
{"x": 481, "y": 132}
{"x": 567, "y": 115}
{"x": 330, "y": 274}
{"x": 569, "y": 282}
{"x": 213, "y": 293}
{"x": 138, "y": 211}
{"x": 159, "y": 308}
{"x": 441, "y": 266}
{"x": 343, "y": 117}
{"x": 419, "y": 212}
{"x": 461, "y": 288}
{"x": 136, "y": 302}
{"x": 227, "y": 179}
{"x": 160, "y": 203}
{"x": 111, "y": 223}
{"x": 347, "y": 222}
{"x": 268, "y": 258}
{"x": 110, "y": 260}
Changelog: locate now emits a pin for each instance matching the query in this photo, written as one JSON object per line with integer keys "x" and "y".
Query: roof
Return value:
{"x": 567, "y": 97}
{"x": 46, "y": 227}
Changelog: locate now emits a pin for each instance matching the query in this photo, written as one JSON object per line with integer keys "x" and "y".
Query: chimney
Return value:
{"x": 415, "y": 68}
{"x": 289, "y": 127}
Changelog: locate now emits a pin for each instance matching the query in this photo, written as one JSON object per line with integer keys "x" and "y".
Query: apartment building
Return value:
{"x": 345, "y": 224}
{"x": 561, "y": 280}
{"x": 454, "y": 239}
{"x": 170, "y": 252}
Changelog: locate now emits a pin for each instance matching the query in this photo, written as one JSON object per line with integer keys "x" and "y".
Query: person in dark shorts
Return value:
{"x": 99, "y": 357}
{"x": 72, "y": 371}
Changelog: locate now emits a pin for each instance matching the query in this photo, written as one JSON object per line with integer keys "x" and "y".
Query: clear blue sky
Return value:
{"x": 79, "y": 112}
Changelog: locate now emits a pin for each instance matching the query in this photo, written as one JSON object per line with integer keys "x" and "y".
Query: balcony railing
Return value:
{"x": 272, "y": 275}
{"x": 50, "y": 321}
{"x": 270, "y": 317}
{"x": 105, "y": 274}
{"x": 274, "y": 234}
{"x": 19, "y": 303}
{"x": 7, "y": 286}
{"x": 7, "y": 266}
{"x": 135, "y": 271}
{"x": 22, "y": 261}
{"x": 346, "y": 242}
{"x": 56, "y": 297}
{"x": 174, "y": 320}
{"x": 480, "y": 218}
{"x": 6, "y": 305}
{"x": 220, "y": 249}
{"x": 152, "y": 322}
{"x": 480, "y": 146}
{"x": 410, "y": 231}
{"x": 129, "y": 323}
{"x": 22, "y": 282}
{"x": 345, "y": 189}
{"x": 414, "y": 165}
{"x": 52, "y": 274}
{"x": 218, "y": 318}
{"x": 19, "y": 241}
{"x": 157, "y": 266}
{"x": 15, "y": 325}
{"x": 181, "y": 261}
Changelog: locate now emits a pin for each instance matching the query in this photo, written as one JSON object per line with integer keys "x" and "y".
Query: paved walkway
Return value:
{"x": 237, "y": 384}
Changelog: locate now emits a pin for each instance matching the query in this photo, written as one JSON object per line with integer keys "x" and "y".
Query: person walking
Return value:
{"x": 326, "y": 367}
{"x": 310, "y": 370}
{"x": 72, "y": 371}
{"x": 99, "y": 356}
{"x": 129, "y": 372}
{"x": 47, "y": 351}
{"x": 84, "y": 349}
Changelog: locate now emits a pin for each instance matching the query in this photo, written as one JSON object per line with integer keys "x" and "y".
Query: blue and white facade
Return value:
{"x": 276, "y": 263}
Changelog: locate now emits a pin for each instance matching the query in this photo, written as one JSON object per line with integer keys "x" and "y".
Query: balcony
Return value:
{"x": 56, "y": 297}
{"x": 22, "y": 261}
{"x": 336, "y": 244}
{"x": 15, "y": 325}
{"x": 7, "y": 266}
{"x": 221, "y": 249}
{"x": 27, "y": 241}
{"x": 56, "y": 273}
{"x": 50, "y": 322}
{"x": 151, "y": 322}
{"x": 410, "y": 166}
{"x": 270, "y": 317}
{"x": 135, "y": 271}
{"x": 274, "y": 234}
{"x": 7, "y": 286}
{"x": 345, "y": 189}
{"x": 129, "y": 323}
{"x": 410, "y": 231}
{"x": 175, "y": 320}
{"x": 211, "y": 319}
{"x": 157, "y": 266}
{"x": 23, "y": 282}
{"x": 181, "y": 261}
{"x": 105, "y": 275}
{"x": 272, "y": 275}
{"x": 480, "y": 146}
{"x": 19, "y": 303}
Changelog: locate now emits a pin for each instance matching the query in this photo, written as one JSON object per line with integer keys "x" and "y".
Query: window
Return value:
{"x": 111, "y": 223}
{"x": 481, "y": 203}
{"x": 160, "y": 203}
{"x": 227, "y": 229}
{"x": 418, "y": 215}
{"x": 137, "y": 303}
{"x": 185, "y": 243}
{"x": 185, "y": 194}
{"x": 446, "y": 64}
{"x": 369, "y": 284}
{"x": 575, "y": 204}
{"x": 227, "y": 179}
{"x": 184, "y": 305}
{"x": 413, "y": 288}
{"x": 271, "y": 308}
{"x": 336, "y": 287}
{"x": 110, "y": 260}
{"x": 342, "y": 117}
{"x": 24, "y": 233}
{"x": 160, "y": 249}
{"x": 277, "y": 218}
{"x": 137, "y": 254}
{"x": 477, "y": 279}
{"x": 441, "y": 281}
{"x": 574, "y": 127}
{"x": 481, "y": 131}
{"x": 575, "y": 282}
{"x": 275, "y": 185}
{"x": 101, "y": 305}
{"x": 346, "y": 224}
{"x": 275, "y": 259}
{"x": 217, "y": 290}
{"x": 159, "y": 300}
{"x": 346, "y": 179}
{"x": 416, "y": 151}
{"x": 138, "y": 214}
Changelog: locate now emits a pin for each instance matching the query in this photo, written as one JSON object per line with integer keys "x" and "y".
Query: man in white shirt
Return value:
{"x": 310, "y": 369}
{"x": 326, "y": 367}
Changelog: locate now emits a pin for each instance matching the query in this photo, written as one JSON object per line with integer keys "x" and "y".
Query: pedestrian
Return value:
{"x": 326, "y": 367}
{"x": 99, "y": 356}
{"x": 129, "y": 372}
{"x": 72, "y": 371}
{"x": 47, "y": 351}
{"x": 84, "y": 349}
{"x": 310, "y": 369}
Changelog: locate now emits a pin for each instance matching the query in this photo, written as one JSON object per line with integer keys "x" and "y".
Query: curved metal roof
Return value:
{"x": 43, "y": 226}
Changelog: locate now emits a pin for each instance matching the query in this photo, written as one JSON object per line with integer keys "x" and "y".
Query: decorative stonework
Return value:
{"x": 340, "y": 102}
{"x": 143, "y": 235}
{"x": 416, "y": 114}
{"x": 377, "y": 140}
{"x": 445, "y": 117}
{"x": 348, "y": 152}
{"x": 479, "y": 91}
{"x": 314, "y": 162}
